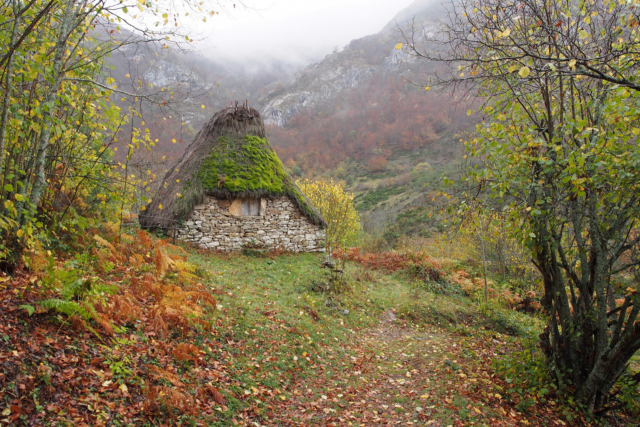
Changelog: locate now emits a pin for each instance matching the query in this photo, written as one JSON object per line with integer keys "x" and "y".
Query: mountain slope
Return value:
{"x": 201, "y": 87}
{"x": 357, "y": 116}
{"x": 343, "y": 71}
{"x": 361, "y": 117}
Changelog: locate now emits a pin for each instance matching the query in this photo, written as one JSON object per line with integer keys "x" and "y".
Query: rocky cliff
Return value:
{"x": 347, "y": 69}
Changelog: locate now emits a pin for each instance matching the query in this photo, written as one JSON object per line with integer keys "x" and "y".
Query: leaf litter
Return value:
{"x": 262, "y": 352}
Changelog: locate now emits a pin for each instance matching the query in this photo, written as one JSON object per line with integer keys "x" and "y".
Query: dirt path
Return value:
{"x": 390, "y": 384}
{"x": 408, "y": 376}
{"x": 398, "y": 386}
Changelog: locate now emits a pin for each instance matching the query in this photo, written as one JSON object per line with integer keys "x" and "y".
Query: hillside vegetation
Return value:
{"x": 186, "y": 345}
{"x": 483, "y": 276}
{"x": 388, "y": 142}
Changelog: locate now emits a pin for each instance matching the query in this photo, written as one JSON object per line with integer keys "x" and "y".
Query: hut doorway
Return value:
{"x": 250, "y": 206}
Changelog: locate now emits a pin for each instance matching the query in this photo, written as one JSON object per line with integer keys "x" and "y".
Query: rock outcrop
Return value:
{"x": 345, "y": 70}
{"x": 317, "y": 83}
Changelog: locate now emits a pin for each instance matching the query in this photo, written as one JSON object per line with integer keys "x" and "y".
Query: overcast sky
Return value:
{"x": 297, "y": 31}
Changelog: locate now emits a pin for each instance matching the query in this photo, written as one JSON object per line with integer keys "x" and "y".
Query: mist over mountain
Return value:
{"x": 280, "y": 89}
{"x": 421, "y": 10}
{"x": 347, "y": 69}
{"x": 291, "y": 31}
{"x": 359, "y": 115}
{"x": 201, "y": 87}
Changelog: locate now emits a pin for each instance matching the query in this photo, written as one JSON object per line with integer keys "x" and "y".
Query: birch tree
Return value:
{"x": 59, "y": 119}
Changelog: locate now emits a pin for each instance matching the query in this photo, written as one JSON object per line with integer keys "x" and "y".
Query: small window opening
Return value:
{"x": 250, "y": 206}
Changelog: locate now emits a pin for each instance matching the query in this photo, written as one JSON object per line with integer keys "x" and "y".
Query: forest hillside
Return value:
{"x": 438, "y": 226}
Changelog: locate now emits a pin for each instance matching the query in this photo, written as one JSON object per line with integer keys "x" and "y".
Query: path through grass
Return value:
{"x": 384, "y": 353}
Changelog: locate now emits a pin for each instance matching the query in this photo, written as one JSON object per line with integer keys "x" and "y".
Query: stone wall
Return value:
{"x": 212, "y": 225}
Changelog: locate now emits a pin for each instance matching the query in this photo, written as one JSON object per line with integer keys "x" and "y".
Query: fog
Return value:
{"x": 295, "y": 32}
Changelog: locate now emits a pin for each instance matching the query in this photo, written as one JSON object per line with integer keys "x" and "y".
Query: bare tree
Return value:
{"x": 559, "y": 86}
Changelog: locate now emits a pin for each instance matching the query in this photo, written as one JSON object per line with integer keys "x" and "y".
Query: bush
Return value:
{"x": 377, "y": 164}
{"x": 338, "y": 210}
{"x": 372, "y": 242}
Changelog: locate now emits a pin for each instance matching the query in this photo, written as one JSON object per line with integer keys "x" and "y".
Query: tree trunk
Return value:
{"x": 484, "y": 263}
{"x": 7, "y": 89}
{"x": 578, "y": 342}
{"x": 40, "y": 181}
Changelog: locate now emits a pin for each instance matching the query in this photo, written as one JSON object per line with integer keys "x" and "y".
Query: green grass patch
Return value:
{"x": 366, "y": 201}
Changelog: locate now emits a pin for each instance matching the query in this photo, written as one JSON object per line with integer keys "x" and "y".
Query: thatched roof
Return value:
{"x": 230, "y": 157}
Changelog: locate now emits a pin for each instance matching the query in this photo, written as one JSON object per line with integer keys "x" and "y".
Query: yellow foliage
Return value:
{"x": 162, "y": 262}
{"x": 421, "y": 168}
{"x": 337, "y": 208}
{"x": 455, "y": 247}
{"x": 505, "y": 256}
{"x": 505, "y": 259}
{"x": 185, "y": 270}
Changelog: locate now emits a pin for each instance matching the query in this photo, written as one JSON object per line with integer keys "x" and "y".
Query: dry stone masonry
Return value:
{"x": 219, "y": 225}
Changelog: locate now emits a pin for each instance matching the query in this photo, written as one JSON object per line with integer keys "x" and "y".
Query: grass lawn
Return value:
{"x": 384, "y": 351}
{"x": 275, "y": 351}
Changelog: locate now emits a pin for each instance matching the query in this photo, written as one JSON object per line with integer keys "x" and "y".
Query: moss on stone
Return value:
{"x": 292, "y": 190}
{"x": 255, "y": 166}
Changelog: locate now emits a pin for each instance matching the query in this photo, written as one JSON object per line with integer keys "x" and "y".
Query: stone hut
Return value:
{"x": 229, "y": 190}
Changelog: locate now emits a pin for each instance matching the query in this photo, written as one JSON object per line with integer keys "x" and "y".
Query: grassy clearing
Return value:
{"x": 387, "y": 350}
{"x": 320, "y": 352}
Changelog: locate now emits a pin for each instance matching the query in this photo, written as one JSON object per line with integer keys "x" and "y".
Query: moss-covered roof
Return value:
{"x": 230, "y": 157}
{"x": 249, "y": 166}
